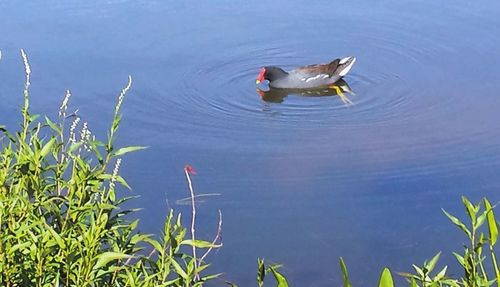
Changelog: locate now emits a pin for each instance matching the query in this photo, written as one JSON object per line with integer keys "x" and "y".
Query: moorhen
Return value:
{"x": 307, "y": 77}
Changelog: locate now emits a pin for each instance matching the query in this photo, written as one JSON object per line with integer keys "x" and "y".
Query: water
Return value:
{"x": 303, "y": 181}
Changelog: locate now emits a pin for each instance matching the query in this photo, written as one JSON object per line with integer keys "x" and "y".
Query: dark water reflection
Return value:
{"x": 340, "y": 89}
{"x": 303, "y": 180}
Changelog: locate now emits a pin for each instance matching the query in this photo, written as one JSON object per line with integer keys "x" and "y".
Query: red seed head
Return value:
{"x": 189, "y": 169}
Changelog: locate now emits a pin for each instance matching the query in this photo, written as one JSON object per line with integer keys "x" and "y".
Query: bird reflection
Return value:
{"x": 340, "y": 89}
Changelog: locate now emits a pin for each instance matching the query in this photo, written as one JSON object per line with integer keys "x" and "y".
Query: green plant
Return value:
{"x": 473, "y": 258}
{"x": 384, "y": 281}
{"x": 422, "y": 276}
{"x": 61, "y": 219}
{"x": 263, "y": 270}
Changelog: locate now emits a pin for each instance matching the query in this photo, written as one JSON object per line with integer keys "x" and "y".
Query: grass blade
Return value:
{"x": 345, "y": 276}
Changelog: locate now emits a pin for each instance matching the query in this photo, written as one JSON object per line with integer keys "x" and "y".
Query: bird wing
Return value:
{"x": 320, "y": 69}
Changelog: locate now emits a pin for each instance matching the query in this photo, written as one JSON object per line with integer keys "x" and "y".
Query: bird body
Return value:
{"x": 307, "y": 77}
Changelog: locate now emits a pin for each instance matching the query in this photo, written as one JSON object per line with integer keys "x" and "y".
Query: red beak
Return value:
{"x": 260, "y": 77}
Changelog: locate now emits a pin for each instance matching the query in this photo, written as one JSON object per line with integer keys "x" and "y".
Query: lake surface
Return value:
{"x": 302, "y": 181}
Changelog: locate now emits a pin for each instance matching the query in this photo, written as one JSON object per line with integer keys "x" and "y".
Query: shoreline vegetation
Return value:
{"x": 62, "y": 223}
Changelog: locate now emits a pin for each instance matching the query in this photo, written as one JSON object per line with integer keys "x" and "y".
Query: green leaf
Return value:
{"x": 480, "y": 220}
{"x": 18, "y": 246}
{"x": 106, "y": 206}
{"x": 173, "y": 282}
{"x": 495, "y": 265}
{"x": 56, "y": 280}
{"x": 345, "y": 276}
{"x": 128, "y": 149}
{"x": 471, "y": 210}
{"x": 200, "y": 269}
{"x": 492, "y": 223}
{"x": 6, "y": 132}
{"x": 458, "y": 223}
{"x": 47, "y": 147}
{"x": 34, "y": 117}
{"x": 116, "y": 122}
{"x": 106, "y": 257}
{"x": 56, "y": 236}
{"x": 199, "y": 243}
{"x": 53, "y": 126}
{"x": 279, "y": 278}
{"x": 74, "y": 146}
{"x": 156, "y": 245}
{"x": 441, "y": 274}
{"x": 413, "y": 283}
{"x": 386, "y": 279}
{"x": 420, "y": 272}
{"x": 139, "y": 237}
{"x": 122, "y": 181}
{"x": 430, "y": 266}
{"x": 179, "y": 270}
{"x": 261, "y": 272}
{"x": 210, "y": 277}
{"x": 460, "y": 258}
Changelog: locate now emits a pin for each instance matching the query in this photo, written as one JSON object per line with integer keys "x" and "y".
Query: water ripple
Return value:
{"x": 394, "y": 81}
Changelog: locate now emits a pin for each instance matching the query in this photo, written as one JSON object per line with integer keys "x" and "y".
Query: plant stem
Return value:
{"x": 217, "y": 236}
{"x": 193, "y": 220}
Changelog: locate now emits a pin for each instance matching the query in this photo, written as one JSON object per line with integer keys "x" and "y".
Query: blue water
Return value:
{"x": 304, "y": 181}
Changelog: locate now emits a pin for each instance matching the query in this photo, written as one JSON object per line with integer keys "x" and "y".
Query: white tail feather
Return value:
{"x": 348, "y": 68}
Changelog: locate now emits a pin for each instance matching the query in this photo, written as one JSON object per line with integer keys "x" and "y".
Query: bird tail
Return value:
{"x": 345, "y": 66}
